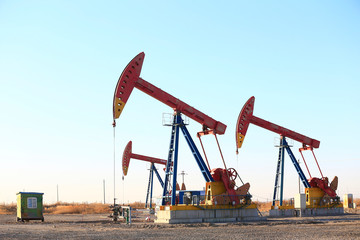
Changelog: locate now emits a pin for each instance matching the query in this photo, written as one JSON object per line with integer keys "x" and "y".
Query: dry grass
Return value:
{"x": 69, "y": 208}
{"x": 138, "y": 205}
{"x": 76, "y": 208}
{"x": 266, "y": 206}
{"x": 62, "y": 208}
{"x": 263, "y": 206}
{"x": 8, "y": 208}
{"x": 92, "y": 208}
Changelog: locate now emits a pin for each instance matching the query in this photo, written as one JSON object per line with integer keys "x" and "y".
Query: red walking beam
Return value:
{"x": 127, "y": 155}
{"x": 246, "y": 117}
{"x": 130, "y": 78}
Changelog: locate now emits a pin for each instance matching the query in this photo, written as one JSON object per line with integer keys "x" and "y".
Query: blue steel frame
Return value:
{"x": 284, "y": 145}
{"x": 150, "y": 184}
{"x": 279, "y": 172}
{"x": 174, "y": 145}
{"x": 158, "y": 176}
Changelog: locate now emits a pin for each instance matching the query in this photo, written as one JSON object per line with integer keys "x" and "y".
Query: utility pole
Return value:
{"x": 57, "y": 193}
{"x": 104, "y": 189}
{"x": 183, "y": 174}
{"x": 183, "y": 187}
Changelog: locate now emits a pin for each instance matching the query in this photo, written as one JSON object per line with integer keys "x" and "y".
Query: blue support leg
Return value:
{"x": 277, "y": 175}
{"x": 282, "y": 172}
{"x": 176, "y": 151}
{"x": 199, "y": 160}
{"x": 151, "y": 188}
{"x": 168, "y": 164}
{"x": 297, "y": 166}
{"x": 159, "y": 178}
{"x": 148, "y": 188}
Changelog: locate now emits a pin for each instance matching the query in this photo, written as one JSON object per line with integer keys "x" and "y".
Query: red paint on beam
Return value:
{"x": 246, "y": 117}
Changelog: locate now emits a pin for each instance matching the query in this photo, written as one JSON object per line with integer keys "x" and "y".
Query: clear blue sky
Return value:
{"x": 60, "y": 61}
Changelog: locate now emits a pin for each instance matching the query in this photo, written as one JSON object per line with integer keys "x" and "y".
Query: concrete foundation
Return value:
{"x": 307, "y": 212}
{"x": 207, "y": 215}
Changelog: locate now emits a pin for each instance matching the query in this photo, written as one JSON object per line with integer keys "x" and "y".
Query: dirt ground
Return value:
{"x": 99, "y": 226}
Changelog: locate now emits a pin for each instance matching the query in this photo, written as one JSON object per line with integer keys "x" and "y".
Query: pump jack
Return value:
{"x": 318, "y": 190}
{"x": 220, "y": 182}
{"x": 127, "y": 155}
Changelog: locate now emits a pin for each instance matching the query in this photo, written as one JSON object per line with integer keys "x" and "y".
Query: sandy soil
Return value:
{"x": 99, "y": 226}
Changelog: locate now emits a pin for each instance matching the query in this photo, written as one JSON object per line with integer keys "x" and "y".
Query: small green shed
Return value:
{"x": 29, "y": 206}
